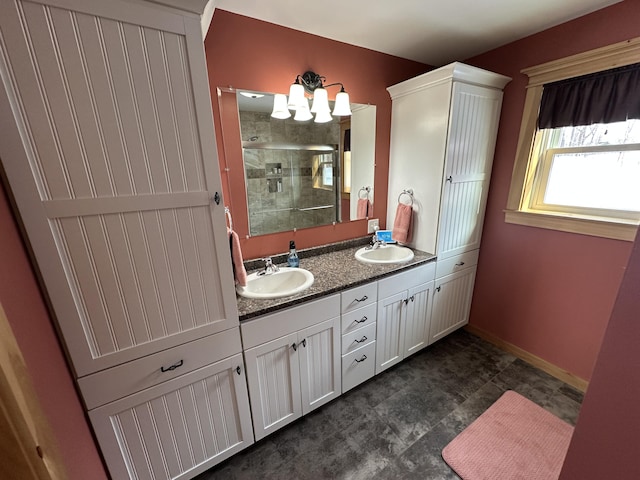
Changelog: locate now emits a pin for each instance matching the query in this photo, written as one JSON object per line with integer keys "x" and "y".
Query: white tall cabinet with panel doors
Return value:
{"x": 443, "y": 132}
{"x": 107, "y": 144}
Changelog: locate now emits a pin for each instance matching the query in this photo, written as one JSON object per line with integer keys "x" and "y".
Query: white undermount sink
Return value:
{"x": 283, "y": 283}
{"x": 384, "y": 254}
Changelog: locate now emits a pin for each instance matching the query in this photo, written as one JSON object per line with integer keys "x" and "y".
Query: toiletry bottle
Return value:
{"x": 293, "y": 259}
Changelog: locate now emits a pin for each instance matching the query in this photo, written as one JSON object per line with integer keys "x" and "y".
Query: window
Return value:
{"x": 591, "y": 170}
{"x": 582, "y": 179}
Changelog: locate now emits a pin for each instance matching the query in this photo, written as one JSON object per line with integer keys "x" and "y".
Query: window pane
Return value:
{"x": 619, "y": 133}
{"x": 606, "y": 180}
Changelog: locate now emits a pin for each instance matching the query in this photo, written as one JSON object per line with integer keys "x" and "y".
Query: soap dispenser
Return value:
{"x": 293, "y": 259}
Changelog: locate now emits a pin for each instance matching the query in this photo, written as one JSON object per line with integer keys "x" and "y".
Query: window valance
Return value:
{"x": 603, "y": 97}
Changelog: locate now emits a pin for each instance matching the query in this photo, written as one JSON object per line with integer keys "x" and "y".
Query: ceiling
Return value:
{"x": 435, "y": 32}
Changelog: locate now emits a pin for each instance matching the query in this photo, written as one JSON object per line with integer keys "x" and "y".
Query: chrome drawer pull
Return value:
{"x": 362, "y": 359}
{"x": 172, "y": 367}
{"x": 363, "y": 339}
{"x": 362, "y": 320}
{"x": 362, "y": 299}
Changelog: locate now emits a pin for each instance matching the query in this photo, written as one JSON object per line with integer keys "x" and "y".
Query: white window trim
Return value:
{"x": 604, "y": 58}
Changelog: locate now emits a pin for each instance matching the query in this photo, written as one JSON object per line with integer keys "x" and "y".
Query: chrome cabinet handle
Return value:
{"x": 172, "y": 367}
{"x": 362, "y": 299}
{"x": 363, "y": 339}
{"x": 362, "y": 359}
{"x": 362, "y": 320}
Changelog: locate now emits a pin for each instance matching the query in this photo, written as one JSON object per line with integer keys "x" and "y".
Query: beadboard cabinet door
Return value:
{"x": 392, "y": 313}
{"x": 109, "y": 151}
{"x": 320, "y": 366}
{"x": 473, "y": 127}
{"x": 451, "y": 302}
{"x": 418, "y": 319}
{"x": 273, "y": 375}
{"x": 178, "y": 428}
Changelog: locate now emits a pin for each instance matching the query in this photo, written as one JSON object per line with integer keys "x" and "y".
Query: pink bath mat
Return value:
{"x": 513, "y": 439}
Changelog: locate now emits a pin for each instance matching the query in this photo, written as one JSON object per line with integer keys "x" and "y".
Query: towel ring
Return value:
{"x": 409, "y": 192}
{"x": 366, "y": 192}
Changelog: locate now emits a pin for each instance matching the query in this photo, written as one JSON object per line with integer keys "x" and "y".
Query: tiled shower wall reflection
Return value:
{"x": 284, "y": 186}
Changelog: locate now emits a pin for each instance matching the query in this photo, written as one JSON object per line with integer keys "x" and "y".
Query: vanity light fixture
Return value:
{"x": 312, "y": 83}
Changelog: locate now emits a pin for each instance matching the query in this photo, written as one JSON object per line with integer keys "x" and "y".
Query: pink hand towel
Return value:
{"x": 402, "y": 226}
{"x": 239, "y": 272}
{"x": 362, "y": 208}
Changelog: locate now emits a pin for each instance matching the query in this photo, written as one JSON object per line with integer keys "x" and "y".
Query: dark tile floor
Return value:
{"x": 395, "y": 425}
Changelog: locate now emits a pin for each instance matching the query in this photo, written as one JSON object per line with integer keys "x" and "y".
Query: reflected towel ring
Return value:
{"x": 366, "y": 192}
{"x": 409, "y": 192}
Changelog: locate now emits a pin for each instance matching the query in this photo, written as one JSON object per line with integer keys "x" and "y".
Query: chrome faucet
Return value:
{"x": 269, "y": 267}
{"x": 375, "y": 242}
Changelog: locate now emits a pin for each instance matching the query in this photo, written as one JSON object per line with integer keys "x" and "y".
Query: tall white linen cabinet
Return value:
{"x": 443, "y": 132}
{"x": 108, "y": 147}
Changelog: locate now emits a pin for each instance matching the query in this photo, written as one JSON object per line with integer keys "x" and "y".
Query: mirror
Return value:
{"x": 304, "y": 174}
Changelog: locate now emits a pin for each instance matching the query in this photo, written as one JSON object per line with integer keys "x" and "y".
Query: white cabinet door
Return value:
{"x": 418, "y": 319}
{"x": 319, "y": 355}
{"x": 178, "y": 428}
{"x": 473, "y": 126}
{"x": 107, "y": 143}
{"x": 451, "y": 302}
{"x": 392, "y": 312}
{"x": 273, "y": 375}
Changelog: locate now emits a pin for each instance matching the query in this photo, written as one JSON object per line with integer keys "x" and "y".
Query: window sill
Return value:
{"x": 597, "y": 227}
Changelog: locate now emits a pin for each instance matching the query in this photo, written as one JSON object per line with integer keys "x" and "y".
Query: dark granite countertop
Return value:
{"x": 333, "y": 271}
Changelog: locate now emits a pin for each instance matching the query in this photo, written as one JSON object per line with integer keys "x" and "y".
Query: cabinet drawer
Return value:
{"x": 358, "y": 366}
{"x": 406, "y": 279}
{"x": 275, "y": 325}
{"x": 359, "y": 318}
{"x": 116, "y": 382}
{"x": 456, "y": 263}
{"x": 358, "y": 338}
{"x": 359, "y": 297}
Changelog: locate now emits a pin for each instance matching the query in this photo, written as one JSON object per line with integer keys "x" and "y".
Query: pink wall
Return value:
{"x": 605, "y": 441}
{"x": 255, "y": 55}
{"x": 548, "y": 292}
{"x": 33, "y": 329}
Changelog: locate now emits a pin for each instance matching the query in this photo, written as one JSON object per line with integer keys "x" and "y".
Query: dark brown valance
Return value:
{"x": 602, "y": 97}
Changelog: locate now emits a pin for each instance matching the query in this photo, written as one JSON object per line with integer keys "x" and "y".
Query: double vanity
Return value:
{"x": 356, "y": 320}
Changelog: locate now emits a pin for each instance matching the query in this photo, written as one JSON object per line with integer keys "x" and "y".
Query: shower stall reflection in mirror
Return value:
{"x": 291, "y": 186}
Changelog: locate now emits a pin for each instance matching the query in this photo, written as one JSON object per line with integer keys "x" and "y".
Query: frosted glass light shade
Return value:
{"x": 296, "y": 96}
{"x": 302, "y": 112}
{"x": 280, "y": 109}
{"x": 342, "y": 107}
{"x": 320, "y": 101}
{"x": 323, "y": 116}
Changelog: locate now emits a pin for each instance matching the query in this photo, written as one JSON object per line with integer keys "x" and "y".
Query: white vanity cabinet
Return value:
{"x": 293, "y": 362}
{"x": 173, "y": 428}
{"x": 443, "y": 132}
{"x": 455, "y": 278}
{"x": 404, "y": 314}
{"x": 359, "y": 310}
